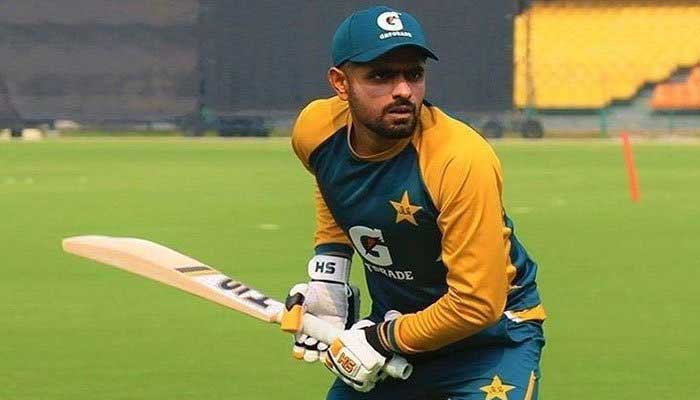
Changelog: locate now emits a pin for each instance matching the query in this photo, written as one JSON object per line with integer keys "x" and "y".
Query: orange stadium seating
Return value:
{"x": 587, "y": 54}
{"x": 678, "y": 96}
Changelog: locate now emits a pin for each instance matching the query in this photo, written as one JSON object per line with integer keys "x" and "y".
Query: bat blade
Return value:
{"x": 165, "y": 265}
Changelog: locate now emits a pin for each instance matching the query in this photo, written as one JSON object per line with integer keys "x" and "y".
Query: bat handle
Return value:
{"x": 397, "y": 367}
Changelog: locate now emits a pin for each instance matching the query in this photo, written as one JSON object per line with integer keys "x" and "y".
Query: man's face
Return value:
{"x": 386, "y": 94}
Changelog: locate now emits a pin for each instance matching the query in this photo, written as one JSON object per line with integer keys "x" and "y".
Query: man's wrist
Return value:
{"x": 381, "y": 338}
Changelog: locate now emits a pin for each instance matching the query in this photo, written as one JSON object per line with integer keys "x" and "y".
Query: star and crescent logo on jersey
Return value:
{"x": 497, "y": 390}
{"x": 405, "y": 211}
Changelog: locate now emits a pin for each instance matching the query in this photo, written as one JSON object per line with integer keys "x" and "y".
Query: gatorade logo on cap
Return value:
{"x": 390, "y": 21}
{"x": 367, "y": 34}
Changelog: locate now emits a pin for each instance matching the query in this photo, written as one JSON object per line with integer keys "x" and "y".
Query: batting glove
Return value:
{"x": 357, "y": 356}
{"x": 328, "y": 296}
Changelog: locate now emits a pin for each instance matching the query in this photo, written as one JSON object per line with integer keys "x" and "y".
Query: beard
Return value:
{"x": 385, "y": 125}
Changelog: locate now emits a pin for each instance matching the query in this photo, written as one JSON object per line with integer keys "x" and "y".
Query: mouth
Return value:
{"x": 401, "y": 111}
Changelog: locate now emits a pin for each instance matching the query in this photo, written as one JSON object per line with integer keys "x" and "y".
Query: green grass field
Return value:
{"x": 618, "y": 279}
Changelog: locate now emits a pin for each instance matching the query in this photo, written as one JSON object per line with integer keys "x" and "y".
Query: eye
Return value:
{"x": 415, "y": 75}
{"x": 379, "y": 75}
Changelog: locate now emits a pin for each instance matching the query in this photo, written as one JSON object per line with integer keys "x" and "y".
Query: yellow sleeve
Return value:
{"x": 329, "y": 238}
{"x": 467, "y": 192}
{"x": 315, "y": 124}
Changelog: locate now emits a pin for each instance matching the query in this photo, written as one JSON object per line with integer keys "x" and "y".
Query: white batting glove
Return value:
{"x": 328, "y": 296}
{"x": 357, "y": 360}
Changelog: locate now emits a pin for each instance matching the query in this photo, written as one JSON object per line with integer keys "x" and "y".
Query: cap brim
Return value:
{"x": 370, "y": 55}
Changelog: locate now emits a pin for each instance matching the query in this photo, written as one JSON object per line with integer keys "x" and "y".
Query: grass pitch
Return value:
{"x": 618, "y": 279}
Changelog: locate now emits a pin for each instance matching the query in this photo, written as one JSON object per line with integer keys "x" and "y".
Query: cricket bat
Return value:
{"x": 165, "y": 265}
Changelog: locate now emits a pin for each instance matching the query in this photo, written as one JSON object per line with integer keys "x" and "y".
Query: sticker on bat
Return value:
{"x": 243, "y": 292}
{"x": 196, "y": 270}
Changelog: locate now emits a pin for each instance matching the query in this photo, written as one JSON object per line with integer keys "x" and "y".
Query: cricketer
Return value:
{"x": 418, "y": 195}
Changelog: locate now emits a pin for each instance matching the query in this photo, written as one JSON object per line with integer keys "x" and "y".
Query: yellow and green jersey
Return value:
{"x": 427, "y": 219}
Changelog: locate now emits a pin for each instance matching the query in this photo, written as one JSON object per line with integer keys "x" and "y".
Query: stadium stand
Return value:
{"x": 576, "y": 54}
{"x": 678, "y": 96}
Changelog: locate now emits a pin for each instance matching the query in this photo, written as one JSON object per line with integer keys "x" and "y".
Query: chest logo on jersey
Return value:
{"x": 405, "y": 211}
{"x": 370, "y": 245}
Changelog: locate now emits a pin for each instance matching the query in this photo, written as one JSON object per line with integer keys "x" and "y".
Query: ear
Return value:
{"x": 338, "y": 80}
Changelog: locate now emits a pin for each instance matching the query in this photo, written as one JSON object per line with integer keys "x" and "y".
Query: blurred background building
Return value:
{"x": 241, "y": 66}
{"x": 98, "y": 61}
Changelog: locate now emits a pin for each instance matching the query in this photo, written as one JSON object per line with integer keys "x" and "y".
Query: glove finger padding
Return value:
{"x": 308, "y": 348}
{"x": 311, "y": 351}
{"x": 322, "y": 351}
{"x": 298, "y": 349}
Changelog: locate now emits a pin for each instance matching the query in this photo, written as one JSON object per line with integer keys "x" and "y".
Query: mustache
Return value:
{"x": 399, "y": 105}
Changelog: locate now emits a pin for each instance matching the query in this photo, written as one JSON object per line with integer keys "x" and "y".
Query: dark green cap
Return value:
{"x": 367, "y": 34}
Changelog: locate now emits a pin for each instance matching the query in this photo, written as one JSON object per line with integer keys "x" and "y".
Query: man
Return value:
{"x": 417, "y": 195}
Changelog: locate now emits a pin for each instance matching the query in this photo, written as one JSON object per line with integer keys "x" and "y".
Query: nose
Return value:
{"x": 402, "y": 89}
